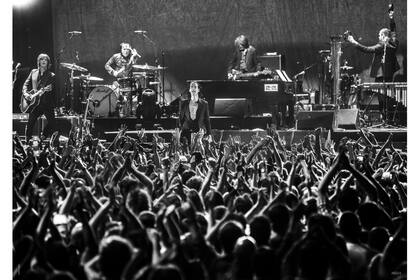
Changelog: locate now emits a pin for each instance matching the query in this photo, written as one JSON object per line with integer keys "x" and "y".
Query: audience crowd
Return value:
{"x": 145, "y": 208}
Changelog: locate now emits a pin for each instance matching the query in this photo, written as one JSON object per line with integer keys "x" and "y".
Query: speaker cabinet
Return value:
{"x": 347, "y": 118}
{"x": 276, "y": 62}
{"x": 233, "y": 107}
{"x": 310, "y": 120}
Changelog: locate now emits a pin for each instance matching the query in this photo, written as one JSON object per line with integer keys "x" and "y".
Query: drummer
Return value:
{"x": 120, "y": 65}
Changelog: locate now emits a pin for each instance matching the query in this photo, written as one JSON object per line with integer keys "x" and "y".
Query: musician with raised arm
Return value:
{"x": 384, "y": 62}
{"x": 244, "y": 59}
{"x": 38, "y": 96}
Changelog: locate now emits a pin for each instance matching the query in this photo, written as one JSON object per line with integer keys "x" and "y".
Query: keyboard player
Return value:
{"x": 244, "y": 59}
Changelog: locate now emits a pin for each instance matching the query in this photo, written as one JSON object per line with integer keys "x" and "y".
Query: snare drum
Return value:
{"x": 127, "y": 84}
{"x": 103, "y": 101}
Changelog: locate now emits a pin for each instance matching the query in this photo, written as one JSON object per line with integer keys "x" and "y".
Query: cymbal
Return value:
{"x": 345, "y": 67}
{"x": 73, "y": 66}
{"x": 88, "y": 78}
{"x": 147, "y": 67}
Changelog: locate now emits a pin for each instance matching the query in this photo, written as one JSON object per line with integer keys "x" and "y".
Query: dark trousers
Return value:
{"x": 34, "y": 115}
{"x": 187, "y": 129}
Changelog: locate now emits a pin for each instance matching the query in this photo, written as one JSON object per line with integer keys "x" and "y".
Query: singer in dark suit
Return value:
{"x": 194, "y": 114}
{"x": 41, "y": 78}
{"x": 384, "y": 62}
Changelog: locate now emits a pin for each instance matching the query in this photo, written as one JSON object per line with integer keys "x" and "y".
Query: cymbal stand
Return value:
{"x": 69, "y": 94}
{"x": 84, "y": 126}
{"x": 162, "y": 91}
{"x": 71, "y": 91}
{"x": 161, "y": 95}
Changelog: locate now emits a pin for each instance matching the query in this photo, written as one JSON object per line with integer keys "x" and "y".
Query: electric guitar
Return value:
{"x": 31, "y": 99}
{"x": 238, "y": 75}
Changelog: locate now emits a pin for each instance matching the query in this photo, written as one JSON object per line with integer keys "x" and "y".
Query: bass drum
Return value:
{"x": 102, "y": 101}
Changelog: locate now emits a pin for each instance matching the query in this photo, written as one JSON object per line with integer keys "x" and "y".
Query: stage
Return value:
{"x": 222, "y": 128}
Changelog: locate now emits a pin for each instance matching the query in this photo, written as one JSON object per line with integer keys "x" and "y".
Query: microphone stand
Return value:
{"x": 58, "y": 59}
{"x": 384, "y": 86}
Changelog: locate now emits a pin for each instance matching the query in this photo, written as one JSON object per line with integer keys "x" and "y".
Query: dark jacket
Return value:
{"x": 34, "y": 81}
{"x": 391, "y": 64}
{"x": 202, "y": 118}
{"x": 250, "y": 60}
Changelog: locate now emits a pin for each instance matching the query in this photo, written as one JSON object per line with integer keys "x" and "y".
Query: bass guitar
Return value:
{"x": 31, "y": 99}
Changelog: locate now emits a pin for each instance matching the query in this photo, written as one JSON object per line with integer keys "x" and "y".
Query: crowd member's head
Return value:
{"x": 165, "y": 272}
{"x": 229, "y": 232}
{"x": 186, "y": 175}
{"x": 196, "y": 200}
{"x": 378, "y": 237}
{"x": 212, "y": 199}
{"x": 325, "y": 223}
{"x": 279, "y": 215}
{"x": 244, "y": 255}
{"x": 265, "y": 263}
{"x": 147, "y": 218}
{"x": 242, "y": 203}
{"x": 114, "y": 254}
{"x": 260, "y": 230}
{"x": 194, "y": 183}
{"x": 139, "y": 200}
{"x": 350, "y": 226}
{"x": 369, "y": 214}
{"x": 348, "y": 200}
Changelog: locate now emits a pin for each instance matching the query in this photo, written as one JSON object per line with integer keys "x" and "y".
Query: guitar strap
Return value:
{"x": 35, "y": 75}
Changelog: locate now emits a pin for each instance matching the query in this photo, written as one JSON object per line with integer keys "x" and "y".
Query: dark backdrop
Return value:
{"x": 197, "y": 36}
{"x": 32, "y": 35}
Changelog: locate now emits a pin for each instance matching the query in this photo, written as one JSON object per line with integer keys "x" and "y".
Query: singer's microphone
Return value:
{"x": 75, "y": 32}
{"x": 140, "y": 31}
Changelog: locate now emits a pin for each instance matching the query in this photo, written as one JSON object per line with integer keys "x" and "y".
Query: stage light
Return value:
{"x": 22, "y": 3}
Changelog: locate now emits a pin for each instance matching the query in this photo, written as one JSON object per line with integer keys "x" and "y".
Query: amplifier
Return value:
{"x": 275, "y": 61}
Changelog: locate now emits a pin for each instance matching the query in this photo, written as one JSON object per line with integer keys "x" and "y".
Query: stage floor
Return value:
{"x": 222, "y": 127}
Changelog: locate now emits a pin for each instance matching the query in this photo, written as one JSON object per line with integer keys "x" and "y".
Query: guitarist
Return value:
{"x": 244, "y": 59}
{"x": 41, "y": 80}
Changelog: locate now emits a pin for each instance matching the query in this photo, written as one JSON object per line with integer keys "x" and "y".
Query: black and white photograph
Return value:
{"x": 208, "y": 139}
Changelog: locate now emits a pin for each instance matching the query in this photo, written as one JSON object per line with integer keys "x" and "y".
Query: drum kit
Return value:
{"x": 122, "y": 97}
{"x": 348, "y": 86}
